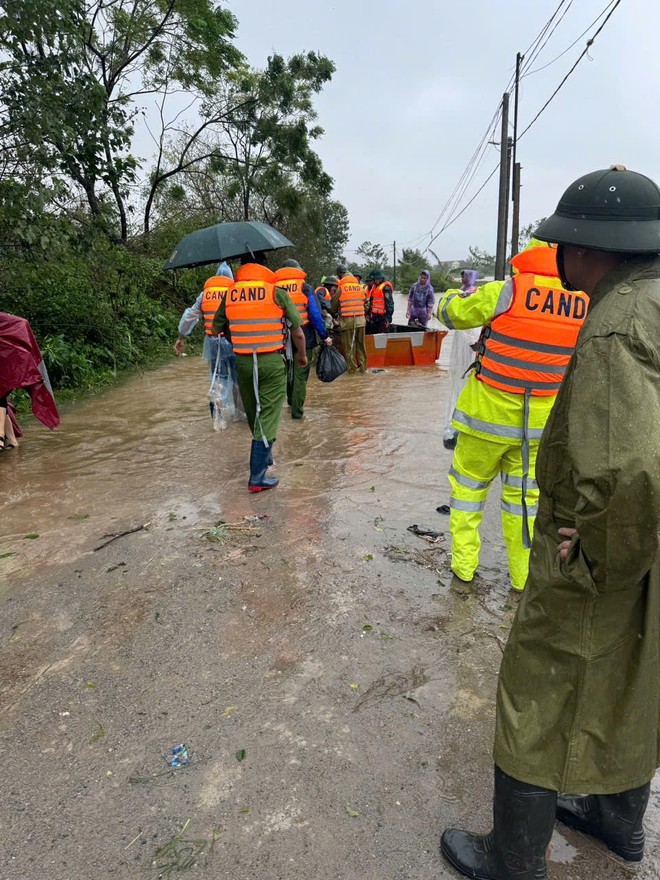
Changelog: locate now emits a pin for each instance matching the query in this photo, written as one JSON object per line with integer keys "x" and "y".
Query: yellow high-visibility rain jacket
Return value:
{"x": 481, "y": 410}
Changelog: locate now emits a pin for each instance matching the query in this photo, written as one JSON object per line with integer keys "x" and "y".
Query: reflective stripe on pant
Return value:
{"x": 475, "y": 465}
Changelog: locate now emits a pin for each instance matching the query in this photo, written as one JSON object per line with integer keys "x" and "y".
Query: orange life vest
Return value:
{"x": 351, "y": 298}
{"x": 214, "y": 292}
{"x": 378, "y": 305}
{"x": 527, "y": 349}
{"x": 323, "y": 293}
{"x": 292, "y": 280}
{"x": 256, "y": 322}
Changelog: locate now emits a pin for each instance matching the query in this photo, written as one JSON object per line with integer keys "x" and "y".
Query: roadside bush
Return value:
{"x": 95, "y": 310}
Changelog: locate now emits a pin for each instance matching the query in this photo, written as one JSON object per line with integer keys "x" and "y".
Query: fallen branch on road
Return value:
{"x": 113, "y": 536}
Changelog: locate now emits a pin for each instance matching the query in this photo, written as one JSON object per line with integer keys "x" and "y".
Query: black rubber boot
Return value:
{"x": 258, "y": 463}
{"x": 212, "y": 408}
{"x": 616, "y": 819}
{"x": 523, "y": 820}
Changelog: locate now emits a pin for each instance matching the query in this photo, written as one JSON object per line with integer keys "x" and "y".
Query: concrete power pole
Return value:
{"x": 515, "y": 195}
{"x": 503, "y": 203}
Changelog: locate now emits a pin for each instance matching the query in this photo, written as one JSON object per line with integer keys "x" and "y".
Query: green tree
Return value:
{"x": 252, "y": 153}
{"x": 320, "y": 233}
{"x": 369, "y": 257}
{"x": 73, "y": 71}
{"x": 411, "y": 264}
{"x": 527, "y": 232}
{"x": 481, "y": 260}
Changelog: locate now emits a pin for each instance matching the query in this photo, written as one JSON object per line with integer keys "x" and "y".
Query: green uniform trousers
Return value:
{"x": 475, "y": 465}
{"x": 271, "y": 383}
{"x": 355, "y": 352}
{"x": 296, "y": 385}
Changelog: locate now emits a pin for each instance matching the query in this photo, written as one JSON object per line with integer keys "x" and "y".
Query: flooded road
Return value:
{"x": 335, "y": 697}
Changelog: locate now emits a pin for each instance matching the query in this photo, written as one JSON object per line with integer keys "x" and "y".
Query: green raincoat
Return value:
{"x": 578, "y": 703}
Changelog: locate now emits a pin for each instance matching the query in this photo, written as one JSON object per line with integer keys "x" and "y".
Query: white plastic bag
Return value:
{"x": 221, "y": 391}
{"x": 461, "y": 357}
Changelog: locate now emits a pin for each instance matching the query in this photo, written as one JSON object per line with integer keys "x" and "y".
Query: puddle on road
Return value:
{"x": 365, "y": 463}
{"x": 146, "y": 448}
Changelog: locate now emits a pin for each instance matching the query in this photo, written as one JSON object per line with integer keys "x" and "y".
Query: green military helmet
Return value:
{"x": 331, "y": 281}
{"x": 609, "y": 210}
{"x": 378, "y": 275}
{"x": 291, "y": 264}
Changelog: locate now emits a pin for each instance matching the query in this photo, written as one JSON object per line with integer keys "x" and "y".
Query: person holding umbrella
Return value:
{"x": 253, "y": 314}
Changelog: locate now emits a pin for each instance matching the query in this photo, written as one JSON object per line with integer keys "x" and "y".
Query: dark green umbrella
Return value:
{"x": 224, "y": 241}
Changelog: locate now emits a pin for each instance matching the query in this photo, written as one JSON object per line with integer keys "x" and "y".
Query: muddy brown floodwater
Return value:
{"x": 335, "y": 696}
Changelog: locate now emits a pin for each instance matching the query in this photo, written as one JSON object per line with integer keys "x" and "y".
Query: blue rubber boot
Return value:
{"x": 259, "y": 455}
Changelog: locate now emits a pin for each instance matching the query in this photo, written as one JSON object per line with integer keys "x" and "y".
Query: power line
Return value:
{"x": 469, "y": 171}
{"x": 590, "y": 43}
{"x": 464, "y": 209}
{"x": 575, "y": 41}
{"x": 474, "y": 163}
{"x": 532, "y": 54}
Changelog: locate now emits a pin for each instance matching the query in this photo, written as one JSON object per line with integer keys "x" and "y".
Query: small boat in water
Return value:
{"x": 404, "y": 346}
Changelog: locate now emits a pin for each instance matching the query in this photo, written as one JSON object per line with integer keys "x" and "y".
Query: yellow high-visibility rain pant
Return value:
{"x": 475, "y": 465}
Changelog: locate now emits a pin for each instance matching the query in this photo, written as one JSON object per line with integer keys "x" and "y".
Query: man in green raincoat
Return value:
{"x": 578, "y": 702}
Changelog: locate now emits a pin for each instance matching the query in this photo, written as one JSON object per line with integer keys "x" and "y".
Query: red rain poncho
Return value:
{"x": 22, "y": 366}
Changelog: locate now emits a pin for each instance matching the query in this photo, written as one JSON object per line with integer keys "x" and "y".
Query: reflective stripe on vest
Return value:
{"x": 292, "y": 280}
{"x": 214, "y": 292}
{"x": 510, "y": 431}
{"x": 256, "y": 322}
{"x": 351, "y": 298}
{"x": 378, "y": 298}
{"x": 528, "y": 347}
{"x": 446, "y": 320}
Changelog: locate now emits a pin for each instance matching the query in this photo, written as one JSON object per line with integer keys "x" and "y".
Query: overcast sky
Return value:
{"x": 417, "y": 83}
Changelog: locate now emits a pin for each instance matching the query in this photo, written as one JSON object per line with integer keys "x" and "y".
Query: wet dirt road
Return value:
{"x": 336, "y": 698}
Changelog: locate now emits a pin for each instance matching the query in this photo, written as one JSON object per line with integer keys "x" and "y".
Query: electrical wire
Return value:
{"x": 449, "y": 210}
{"x": 575, "y": 41}
{"x": 531, "y": 55}
{"x": 457, "y": 195}
{"x": 590, "y": 43}
{"x": 464, "y": 209}
{"x": 469, "y": 171}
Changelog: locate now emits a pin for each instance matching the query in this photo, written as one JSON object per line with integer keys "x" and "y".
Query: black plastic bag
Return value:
{"x": 330, "y": 364}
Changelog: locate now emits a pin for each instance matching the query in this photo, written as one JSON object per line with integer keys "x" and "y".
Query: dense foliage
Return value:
{"x": 86, "y": 224}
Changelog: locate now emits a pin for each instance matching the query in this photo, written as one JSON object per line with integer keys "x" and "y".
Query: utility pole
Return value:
{"x": 515, "y": 195}
{"x": 515, "y": 198}
{"x": 394, "y": 265}
{"x": 503, "y": 203}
